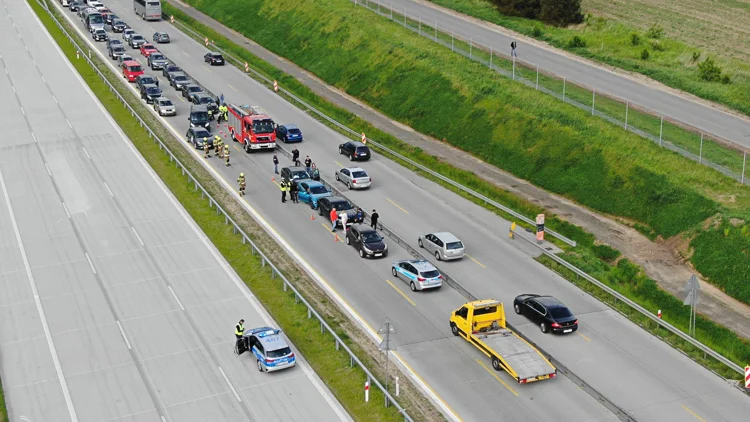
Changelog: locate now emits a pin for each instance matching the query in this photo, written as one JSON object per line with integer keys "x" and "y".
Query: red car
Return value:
{"x": 147, "y": 49}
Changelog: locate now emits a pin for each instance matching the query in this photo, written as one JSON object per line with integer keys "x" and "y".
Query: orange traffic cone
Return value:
{"x": 273, "y": 179}
{"x": 312, "y": 217}
{"x": 335, "y": 238}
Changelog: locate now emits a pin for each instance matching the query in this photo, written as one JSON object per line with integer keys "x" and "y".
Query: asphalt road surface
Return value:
{"x": 706, "y": 118}
{"x": 113, "y": 305}
{"x": 637, "y": 371}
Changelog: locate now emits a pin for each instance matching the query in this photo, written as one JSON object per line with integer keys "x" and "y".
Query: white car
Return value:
{"x": 164, "y": 107}
{"x": 94, "y": 3}
{"x": 354, "y": 178}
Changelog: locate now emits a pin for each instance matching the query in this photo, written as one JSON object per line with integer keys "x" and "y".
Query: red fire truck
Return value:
{"x": 251, "y": 126}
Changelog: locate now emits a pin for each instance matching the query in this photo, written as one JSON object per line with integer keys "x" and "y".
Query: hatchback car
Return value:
{"x": 418, "y": 273}
{"x": 75, "y": 6}
{"x": 295, "y": 174}
{"x": 177, "y": 80}
{"x": 170, "y": 68}
{"x": 355, "y": 151}
{"x": 354, "y": 178}
{"x": 150, "y": 93}
{"x": 164, "y": 107}
{"x": 310, "y": 191}
{"x": 271, "y": 351}
{"x": 198, "y": 135}
{"x": 145, "y": 80}
{"x": 444, "y": 245}
{"x": 113, "y": 41}
{"x": 119, "y": 25}
{"x": 124, "y": 58}
{"x": 131, "y": 70}
{"x": 148, "y": 49}
{"x": 99, "y": 34}
{"x": 367, "y": 241}
{"x": 288, "y": 133}
{"x": 161, "y": 38}
{"x": 202, "y": 98}
{"x": 127, "y": 33}
{"x": 188, "y": 89}
{"x": 547, "y": 312}
{"x": 325, "y": 205}
{"x": 157, "y": 61}
{"x": 116, "y": 51}
{"x": 135, "y": 41}
{"x": 110, "y": 17}
{"x": 214, "y": 59}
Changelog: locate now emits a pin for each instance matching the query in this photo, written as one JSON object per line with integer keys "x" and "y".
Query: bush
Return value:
{"x": 709, "y": 71}
{"x": 656, "y": 45}
{"x": 696, "y": 55}
{"x": 606, "y": 252}
{"x": 655, "y": 31}
{"x": 726, "y": 80}
{"x": 555, "y": 12}
{"x": 645, "y": 54}
{"x": 536, "y": 32}
{"x": 635, "y": 39}
{"x": 576, "y": 42}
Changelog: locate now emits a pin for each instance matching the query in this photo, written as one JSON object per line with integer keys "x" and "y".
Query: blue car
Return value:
{"x": 288, "y": 133}
{"x": 310, "y": 191}
{"x": 271, "y": 351}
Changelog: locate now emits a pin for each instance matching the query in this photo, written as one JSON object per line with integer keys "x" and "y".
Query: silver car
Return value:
{"x": 127, "y": 33}
{"x": 164, "y": 107}
{"x": 157, "y": 61}
{"x": 123, "y": 58}
{"x": 443, "y": 245}
{"x": 354, "y": 178}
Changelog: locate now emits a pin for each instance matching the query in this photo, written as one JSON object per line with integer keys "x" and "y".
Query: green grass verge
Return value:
{"x": 587, "y": 252}
{"x": 3, "y": 409}
{"x": 331, "y": 365}
{"x": 610, "y": 42}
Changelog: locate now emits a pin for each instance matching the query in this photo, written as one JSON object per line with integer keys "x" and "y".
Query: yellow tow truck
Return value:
{"x": 482, "y": 323}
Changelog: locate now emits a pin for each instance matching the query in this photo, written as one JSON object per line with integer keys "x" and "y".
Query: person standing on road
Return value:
{"x": 360, "y": 217}
{"x": 513, "y": 52}
{"x": 239, "y": 331}
{"x": 275, "y": 164}
{"x": 241, "y": 181}
{"x": 315, "y": 173}
{"x": 219, "y": 146}
{"x": 205, "y": 148}
{"x": 334, "y": 219}
{"x": 221, "y": 99}
{"x": 344, "y": 219}
{"x": 226, "y": 155}
{"x": 308, "y": 163}
{"x": 374, "y": 219}
{"x": 283, "y": 186}
{"x": 293, "y": 192}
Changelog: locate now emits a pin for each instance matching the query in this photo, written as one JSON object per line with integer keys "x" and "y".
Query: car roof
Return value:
{"x": 291, "y": 126}
{"x": 352, "y": 169}
{"x": 296, "y": 168}
{"x": 446, "y": 237}
{"x": 198, "y": 107}
{"x": 149, "y": 85}
{"x": 146, "y": 45}
{"x": 163, "y": 99}
{"x": 313, "y": 183}
{"x": 549, "y": 302}
{"x": 337, "y": 199}
{"x": 131, "y": 63}
{"x": 357, "y": 143}
{"x": 198, "y": 129}
{"x": 419, "y": 264}
{"x": 363, "y": 228}
{"x": 271, "y": 339}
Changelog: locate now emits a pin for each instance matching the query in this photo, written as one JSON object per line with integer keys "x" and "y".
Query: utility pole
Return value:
{"x": 386, "y": 330}
{"x": 692, "y": 288}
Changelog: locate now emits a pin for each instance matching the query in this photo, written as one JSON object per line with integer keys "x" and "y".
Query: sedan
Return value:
{"x": 75, "y": 6}
{"x": 188, "y": 89}
{"x": 99, "y": 34}
{"x": 148, "y": 49}
{"x": 420, "y": 274}
{"x": 198, "y": 135}
{"x": 161, "y": 38}
{"x": 136, "y": 40}
{"x": 546, "y": 311}
{"x": 177, "y": 80}
{"x": 113, "y": 41}
{"x": 110, "y": 18}
{"x": 367, "y": 241}
{"x": 288, "y": 133}
{"x": 214, "y": 59}
{"x": 355, "y": 151}
{"x": 119, "y": 26}
{"x": 127, "y": 33}
{"x": 150, "y": 93}
{"x": 157, "y": 61}
{"x": 123, "y": 58}
{"x": 325, "y": 205}
{"x": 164, "y": 107}
{"x": 354, "y": 178}
{"x": 310, "y": 191}
{"x": 116, "y": 51}
{"x": 170, "y": 68}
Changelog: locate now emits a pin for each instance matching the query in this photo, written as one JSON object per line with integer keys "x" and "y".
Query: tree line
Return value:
{"x": 554, "y": 12}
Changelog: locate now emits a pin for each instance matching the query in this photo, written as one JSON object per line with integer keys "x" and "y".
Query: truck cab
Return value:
{"x": 252, "y": 127}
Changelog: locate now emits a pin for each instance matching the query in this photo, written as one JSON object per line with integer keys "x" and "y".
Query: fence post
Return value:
{"x": 452, "y": 35}
{"x": 471, "y": 46}
{"x": 627, "y": 106}
{"x": 537, "y": 78}
{"x": 563, "y": 89}
{"x": 391, "y": 11}
{"x": 514, "y": 68}
{"x": 661, "y": 129}
{"x": 436, "y": 27}
{"x": 744, "y": 161}
{"x": 490, "y": 57}
{"x": 700, "y": 152}
{"x": 593, "y": 100}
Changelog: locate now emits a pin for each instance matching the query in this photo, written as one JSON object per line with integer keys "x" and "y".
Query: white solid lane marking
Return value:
{"x": 66, "y": 210}
{"x": 91, "y": 264}
{"x": 123, "y": 335}
{"x": 33, "y": 136}
{"x": 22, "y": 111}
{"x": 137, "y": 237}
{"x": 47, "y": 167}
{"x": 68, "y": 122}
{"x": 55, "y": 98}
{"x": 176, "y": 298}
{"x": 38, "y": 302}
{"x": 108, "y": 190}
{"x": 230, "y": 384}
{"x": 14, "y": 88}
{"x": 86, "y": 152}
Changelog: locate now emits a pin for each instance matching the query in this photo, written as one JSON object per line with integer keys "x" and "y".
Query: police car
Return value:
{"x": 270, "y": 349}
{"x": 419, "y": 274}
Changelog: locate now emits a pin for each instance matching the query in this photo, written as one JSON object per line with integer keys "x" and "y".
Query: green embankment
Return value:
{"x": 609, "y": 41}
{"x": 591, "y": 257}
{"x": 331, "y": 365}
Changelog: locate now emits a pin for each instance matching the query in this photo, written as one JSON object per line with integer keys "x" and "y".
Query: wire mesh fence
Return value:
{"x": 706, "y": 149}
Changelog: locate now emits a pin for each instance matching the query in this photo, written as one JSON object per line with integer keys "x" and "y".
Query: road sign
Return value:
{"x": 691, "y": 300}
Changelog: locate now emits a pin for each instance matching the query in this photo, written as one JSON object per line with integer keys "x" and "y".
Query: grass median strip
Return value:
{"x": 331, "y": 365}
{"x": 3, "y": 409}
{"x": 599, "y": 259}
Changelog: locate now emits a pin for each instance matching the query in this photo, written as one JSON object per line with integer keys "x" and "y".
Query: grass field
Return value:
{"x": 331, "y": 365}
{"x": 3, "y": 409}
{"x": 718, "y": 29}
{"x": 595, "y": 258}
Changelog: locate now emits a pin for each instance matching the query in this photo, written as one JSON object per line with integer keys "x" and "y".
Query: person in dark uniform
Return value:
{"x": 295, "y": 156}
{"x": 374, "y": 219}
{"x": 293, "y": 191}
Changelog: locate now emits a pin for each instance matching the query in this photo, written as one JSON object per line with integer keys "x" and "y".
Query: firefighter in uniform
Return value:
{"x": 224, "y": 110}
{"x": 217, "y": 146}
{"x": 241, "y": 181}
{"x": 226, "y": 154}
{"x": 239, "y": 331}
{"x": 205, "y": 148}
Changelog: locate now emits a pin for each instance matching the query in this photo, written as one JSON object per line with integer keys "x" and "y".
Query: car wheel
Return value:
{"x": 517, "y": 309}
{"x": 260, "y": 366}
{"x": 419, "y": 242}
{"x": 341, "y": 151}
{"x": 393, "y": 271}
{"x": 361, "y": 253}
{"x": 348, "y": 242}
{"x": 312, "y": 205}
{"x": 543, "y": 327}
{"x": 413, "y": 286}
{"x": 496, "y": 364}
{"x": 437, "y": 256}
{"x": 349, "y": 185}
{"x": 351, "y": 157}
{"x": 337, "y": 177}
{"x": 454, "y": 329}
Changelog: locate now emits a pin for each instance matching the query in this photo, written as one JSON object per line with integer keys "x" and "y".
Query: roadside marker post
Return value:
{"x": 171, "y": 19}
{"x": 206, "y": 41}
{"x": 364, "y": 138}
{"x": 78, "y": 54}
{"x": 247, "y": 68}
{"x": 367, "y": 391}
{"x": 512, "y": 229}
{"x": 747, "y": 378}
{"x": 397, "y": 387}
{"x": 658, "y": 314}
{"x": 275, "y": 86}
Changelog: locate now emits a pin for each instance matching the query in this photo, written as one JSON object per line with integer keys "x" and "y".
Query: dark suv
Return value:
{"x": 325, "y": 205}
{"x": 150, "y": 93}
{"x": 294, "y": 174}
{"x": 355, "y": 151}
{"x": 367, "y": 241}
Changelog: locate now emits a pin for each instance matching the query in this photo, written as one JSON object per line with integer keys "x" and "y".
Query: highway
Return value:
{"x": 637, "y": 371}
{"x": 705, "y": 117}
{"x": 113, "y": 304}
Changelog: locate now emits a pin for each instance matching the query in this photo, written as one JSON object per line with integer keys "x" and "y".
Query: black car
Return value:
{"x": 325, "y": 205}
{"x": 201, "y": 98}
{"x": 547, "y": 312}
{"x": 110, "y": 17}
{"x": 295, "y": 174}
{"x": 118, "y": 25}
{"x": 150, "y": 93}
{"x": 197, "y": 135}
{"x": 355, "y": 151}
{"x": 367, "y": 241}
{"x": 214, "y": 59}
{"x": 170, "y": 68}
{"x": 99, "y": 34}
{"x": 188, "y": 89}
{"x": 145, "y": 80}
{"x": 75, "y": 6}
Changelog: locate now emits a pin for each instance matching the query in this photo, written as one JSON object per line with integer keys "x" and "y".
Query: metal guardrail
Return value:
{"x": 275, "y": 272}
{"x": 357, "y": 135}
{"x": 671, "y": 328}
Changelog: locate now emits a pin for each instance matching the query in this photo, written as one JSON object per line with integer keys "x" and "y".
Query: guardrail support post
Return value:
{"x": 420, "y": 26}
{"x": 661, "y": 129}
{"x": 744, "y": 161}
{"x": 338, "y": 346}
{"x": 262, "y": 261}
{"x": 391, "y": 11}
{"x": 436, "y": 28}
{"x": 627, "y": 106}
{"x": 452, "y": 38}
{"x": 309, "y": 314}
{"x": 537, "y": 78}
{"x": 490, "y": 57}
{"x": 593, "y": 100}
{"x": 700, "y": 151}
{"x": 471, "y": 47}
{"x": 563, "y": 89}
{"x": 285, "y": 287}
{"x": 321, "y": 327}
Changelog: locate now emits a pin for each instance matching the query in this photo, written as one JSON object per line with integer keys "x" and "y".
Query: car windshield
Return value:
{"x": 454, "y": 245}
{"x": 135, "y": 68}
{"x": 165, "y": 103}
{"x": 341, "y": 205}
{"x": 263, "y": 126}
{"x": 195, "y": 89}
{"x": 206, "y": 100}
{"x": 96, "y": 19}
{"x": 429, "y": 274}
{"x": 147, "y": 80}
{"x": 153, "y": 90}
{"x": 137, "y": 37}
{"x": 157, "y": 57}
{"x": 560, "y": 313}
{"x": 117, "y": 49}
{"x": 371, "y": 237}
{"x": 357, "y": 174}
{"x": 279, "y": 353}
{"x": 199, "y": 115}
{"x": 172, "y": 68}
{"x": 218, "y": 56}
{"x": 100, "y": 31}
{"x": 318, "y": 189}
{"x": 180, "y": 78}
{"x": 202, "y": 134}
{"x": 300, "y": 174}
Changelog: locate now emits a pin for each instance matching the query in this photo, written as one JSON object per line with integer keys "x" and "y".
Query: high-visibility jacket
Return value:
{"x": 283, "y": 186}
{"x": 241, "y": 180}
{"x": 239, "y": 330}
